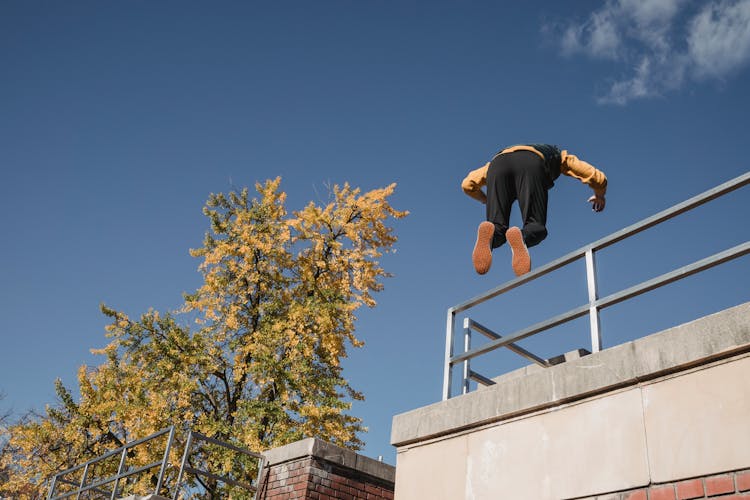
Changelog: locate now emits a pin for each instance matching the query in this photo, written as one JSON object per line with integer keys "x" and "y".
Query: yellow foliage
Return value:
{"x": 262, "y": 366}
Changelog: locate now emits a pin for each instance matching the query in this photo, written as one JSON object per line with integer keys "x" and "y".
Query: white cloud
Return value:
{"x": 653, "y": 20}
{"x": 653, "y": 75}
{"x": 597, "y": 37}
{"x": 604, "y": 38}
{"x": 603, "y": 33}
{"x": 650, "y": 12}
{"x": 664, "y": 42}
{"x": 637, "y": 87}
{"x": 719, "y": 38}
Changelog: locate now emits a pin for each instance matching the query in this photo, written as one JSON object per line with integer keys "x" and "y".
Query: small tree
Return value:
{"x": 261, "y": 367}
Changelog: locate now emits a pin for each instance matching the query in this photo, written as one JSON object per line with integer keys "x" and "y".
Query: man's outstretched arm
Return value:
{"x": 473, "y": 183}
{"x": 589, "y": 175}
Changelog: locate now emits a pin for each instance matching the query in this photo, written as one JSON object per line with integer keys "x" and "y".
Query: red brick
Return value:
{"x": 687, "y": 490}
{"x": 743, "y": 480}
{"x": 636, "y": 495}
{"x": 319, "y": 473}
{"x": 717, "y": 485}
{"x": 293, "y": 479}
{"x": 323, "y": 490}
{"x": 662, "y": 492}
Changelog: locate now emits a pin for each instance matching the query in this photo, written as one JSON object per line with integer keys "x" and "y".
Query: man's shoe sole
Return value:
{"x": 521, "y": 260}
{"x": 482, "y": 254}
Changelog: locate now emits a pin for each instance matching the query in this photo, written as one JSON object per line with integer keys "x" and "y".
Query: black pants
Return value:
{"x": 518, "y": 176}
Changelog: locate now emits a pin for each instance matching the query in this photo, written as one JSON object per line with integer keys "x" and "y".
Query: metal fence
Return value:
{"x": 594, "y": 305}
{"x": 100, "y": 487}
{"x": 186, "y": 467}
{"x": 88, "y": 486}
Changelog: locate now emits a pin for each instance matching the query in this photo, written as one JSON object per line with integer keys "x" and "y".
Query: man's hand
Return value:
{"x": 597, "y": 202}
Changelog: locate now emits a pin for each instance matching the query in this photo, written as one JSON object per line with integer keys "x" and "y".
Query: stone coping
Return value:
{"x": 534, "y": 388}
{"x": 317, "y": 448}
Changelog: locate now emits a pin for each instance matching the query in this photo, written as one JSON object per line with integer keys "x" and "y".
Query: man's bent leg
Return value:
{"x": 501, "y": 193}
{"x": 532, "y": 199}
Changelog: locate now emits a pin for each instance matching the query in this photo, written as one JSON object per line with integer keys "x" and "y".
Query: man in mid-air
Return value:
{"x": 524, "y": 173}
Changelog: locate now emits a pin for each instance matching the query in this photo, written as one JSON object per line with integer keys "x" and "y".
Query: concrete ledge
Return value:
{"x": 314, "y": 447}
{"x": 709, "y": 338}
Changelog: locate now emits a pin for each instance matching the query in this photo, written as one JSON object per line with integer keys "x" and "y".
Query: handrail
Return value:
{"x": 82, "y": 486}
{"x": 122, "y": 472}
{"x": 595, "y": 304}
{"x": 185, "y": 467}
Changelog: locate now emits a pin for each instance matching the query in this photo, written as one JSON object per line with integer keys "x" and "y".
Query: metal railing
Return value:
{"x": 594, "y": 305}
{"x": 101, "y": 488}
{"x": 186, "y": 467}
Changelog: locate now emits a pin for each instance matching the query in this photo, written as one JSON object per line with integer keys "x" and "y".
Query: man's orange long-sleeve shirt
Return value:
{"x": 570, "y": 165}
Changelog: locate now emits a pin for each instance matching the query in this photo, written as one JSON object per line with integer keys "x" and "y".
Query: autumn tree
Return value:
{"x": 253, "y": 357}
{"x": 4, "y": 436}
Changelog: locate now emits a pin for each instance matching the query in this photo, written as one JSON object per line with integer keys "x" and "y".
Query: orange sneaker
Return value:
{"x": 521, "y": 261}
{"x": 482, "y": 254}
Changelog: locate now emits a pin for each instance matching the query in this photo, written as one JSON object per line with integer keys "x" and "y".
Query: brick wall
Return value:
{"x": 729, "y": 486}
{"x": 321, "y": 471}
{"x": 313, "y": 478}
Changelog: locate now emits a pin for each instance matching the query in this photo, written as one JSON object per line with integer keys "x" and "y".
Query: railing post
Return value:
{"x": 52, "y": 487}
{"x": 448, "y": 367}
{"x": 185, "y": 457}
{"x": 261, "y": 465}
{"x": 83, "y": 480}
{"x": 164, "y": 461}
{"x": 467, "y": 368}
{"x": 596, "y": 337}
{"x": 119, "y": 471}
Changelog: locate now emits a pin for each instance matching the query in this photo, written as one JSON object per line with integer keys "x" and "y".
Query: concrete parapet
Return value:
{"x": 658, "y": 410}
{"x": 534, "y": 388}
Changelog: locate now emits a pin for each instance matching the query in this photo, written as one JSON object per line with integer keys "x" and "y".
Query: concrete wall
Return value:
{"x": 665, "y": 408}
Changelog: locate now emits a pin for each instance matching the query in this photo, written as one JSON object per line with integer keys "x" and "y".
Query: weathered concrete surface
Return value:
{"x": 420, "y": 472}
{"x": 712, "y": 337}
{"x": 663, "y": 408}
{"x": 699, "y": 423}
{"x": 314, "y": 447}
{"x": 534, "y": 458}
{"x": 599, "y": 435}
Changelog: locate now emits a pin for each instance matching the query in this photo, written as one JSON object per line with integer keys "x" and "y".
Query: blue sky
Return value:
{"x": 117, "y": 119}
